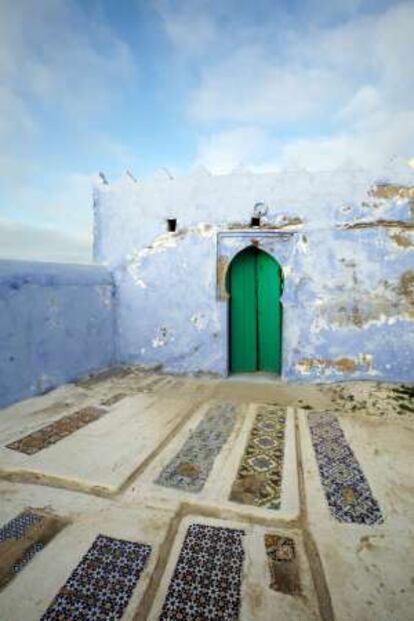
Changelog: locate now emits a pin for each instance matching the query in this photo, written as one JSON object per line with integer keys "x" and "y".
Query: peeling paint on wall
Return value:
{"x": 164, "y": 336}
{"x": 222, "y": 266}
{"x": 403, "y": 240}
{"x": 199, "y": 320}
{"x": 339, "y": 365}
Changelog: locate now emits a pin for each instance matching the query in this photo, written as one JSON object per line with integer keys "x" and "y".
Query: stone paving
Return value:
{"x": 198, "y": 499}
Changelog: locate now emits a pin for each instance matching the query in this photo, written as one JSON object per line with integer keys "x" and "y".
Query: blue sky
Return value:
{"x": 92, "y": 85}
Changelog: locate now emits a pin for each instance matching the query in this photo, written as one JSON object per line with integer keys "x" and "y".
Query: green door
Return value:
{"x": 268, "y": 313}
{"x": 255, "y": 312}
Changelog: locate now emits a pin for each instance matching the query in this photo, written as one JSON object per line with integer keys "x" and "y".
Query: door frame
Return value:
{"x": 228, "y": 291}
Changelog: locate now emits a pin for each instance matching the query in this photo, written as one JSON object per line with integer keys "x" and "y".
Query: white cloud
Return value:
{"x": 248, "y": 87}
{"x": 224, "y": 151}
{"x": 188, "y": 25}
{"x": 22, "y": 241}
{"x": 61, "y": 69}
{"x": 370, "y": 147}
{"x": 61, "y": 200}
{"x": 346, "y": 90}
{"x": 58, "y": 54}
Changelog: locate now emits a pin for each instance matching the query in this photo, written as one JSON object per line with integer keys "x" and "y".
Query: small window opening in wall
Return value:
{"x": 171, "y": 225}
{"x": 255, "y": 221}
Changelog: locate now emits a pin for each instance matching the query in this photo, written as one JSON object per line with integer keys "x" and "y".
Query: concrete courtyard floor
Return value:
{"x": 105, "y": 478}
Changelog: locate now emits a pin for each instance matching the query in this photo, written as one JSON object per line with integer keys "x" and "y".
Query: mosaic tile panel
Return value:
{"x": 41, "y": 439}
{"x": 27, "y": 556}
{"x": 22, "y": 538}
{"x": 259, "y": 478}
{"x": 346, "y": 489}
{"x": 190, "y": 468}
{"x": 283, "y": 564}
{"x": 155, "y": 382}
{"x": 114, "y": 399}
{"x": 207, "y": 578}
{"x": 17, "y": 527}
{"x": 101, "y": 585}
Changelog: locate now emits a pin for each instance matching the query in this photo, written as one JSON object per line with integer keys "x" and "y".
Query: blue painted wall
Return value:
{"x": 344, "y": 239}
{"x": 56, "y": 324}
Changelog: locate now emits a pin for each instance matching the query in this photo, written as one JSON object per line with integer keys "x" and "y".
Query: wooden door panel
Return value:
{"x": 268, "y": 313}
{"x": 243, "y": 312}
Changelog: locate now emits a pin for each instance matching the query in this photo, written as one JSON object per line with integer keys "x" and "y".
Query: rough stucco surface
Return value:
{"x": 345, "y": 241}
{"x": 56, "y": 324}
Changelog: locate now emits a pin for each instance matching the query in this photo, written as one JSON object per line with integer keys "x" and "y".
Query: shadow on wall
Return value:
{"x": 56, "y": 324}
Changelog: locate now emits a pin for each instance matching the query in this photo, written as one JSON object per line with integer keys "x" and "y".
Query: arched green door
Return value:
{"x": 255, "y": 312}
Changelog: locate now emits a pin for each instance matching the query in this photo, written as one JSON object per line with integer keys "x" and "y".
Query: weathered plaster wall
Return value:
{"x": 56, "y": 324}
{"x": 345, "y": 241}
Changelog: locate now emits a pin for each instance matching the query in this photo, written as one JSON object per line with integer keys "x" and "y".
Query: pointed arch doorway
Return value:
{"x": 255, "y": 286}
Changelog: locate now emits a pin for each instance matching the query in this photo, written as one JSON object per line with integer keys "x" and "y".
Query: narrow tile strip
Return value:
{"x": 101, "y": 585}
{"x": 22, "y": 538}
{"x": 18, "y": 526}
{"x": 259, "y": 478}
{"x": 115, "y": 398}
{"x": 207, "y": 578}
{"x": 190, "y": 468}
{"x": 41, "y": 439}
{"x": 346, "y": 489}
{"x": 283, "y": 564}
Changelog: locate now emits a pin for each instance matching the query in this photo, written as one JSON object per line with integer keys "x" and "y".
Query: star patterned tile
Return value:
{"x": 207, "y": 578}
{"x": 259, "y": 478}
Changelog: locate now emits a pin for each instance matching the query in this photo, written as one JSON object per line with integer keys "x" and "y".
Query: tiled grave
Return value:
{"x": 347, "y": 491}
{"x": 114, "y": 399}
{"x": 22, "y": 538}
{"x": 116, "y": 373}
{"x": 151, "y": 383}
{"x": 190, "y": 468}
{"x": 101, "y": 585}
{"x": 283, "y": 564}
{"x": 18, "y": 526}
{"x": 27, "y": 556}
{"x": 207, "y": 578}
{"x": 259, "y": 478}
{"x": 41, "y": 439}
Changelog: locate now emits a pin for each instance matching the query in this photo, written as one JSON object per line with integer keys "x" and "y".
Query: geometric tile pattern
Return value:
{"x": 27, "y": 556}
{"x": 347, "y": 491}
{"x": 22, "y": 538}
{"x": 206, "y": 582}
{"x": 259, "y": 478}
{"x": 152, "y": 383}
{"x": 101, "y": 585}
{"x": 114, "y": 399}
{"x": 17, "y": 527}
{"x": 41, "y": 439}
{"x": 189, "y": 469}
{"x": 283, "y": 564}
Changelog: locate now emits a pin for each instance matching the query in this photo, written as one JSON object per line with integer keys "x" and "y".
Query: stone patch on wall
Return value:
{"x": 392, "y": 191}
{"x": 344, "y": 366}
